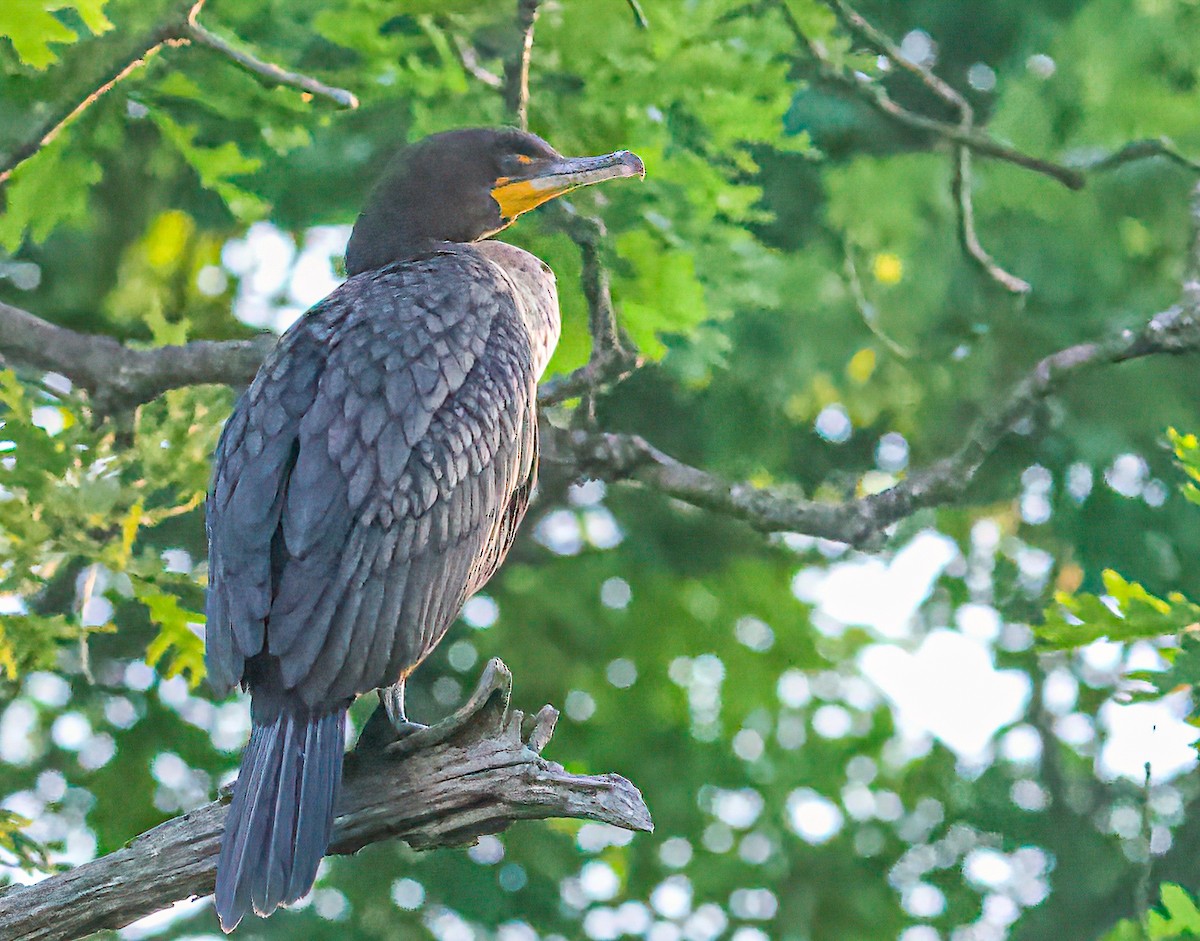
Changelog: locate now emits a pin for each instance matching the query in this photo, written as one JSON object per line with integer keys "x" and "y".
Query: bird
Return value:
{"x": 371, "y": 479}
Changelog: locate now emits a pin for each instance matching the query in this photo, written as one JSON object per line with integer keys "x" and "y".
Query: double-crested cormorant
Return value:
{"x": 371, "y": 479}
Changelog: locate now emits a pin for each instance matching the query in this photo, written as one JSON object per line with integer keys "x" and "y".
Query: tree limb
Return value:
{"x": 118, "y": 376}
{"x": 862, "y": 522}
{"x": 472, "y": 775}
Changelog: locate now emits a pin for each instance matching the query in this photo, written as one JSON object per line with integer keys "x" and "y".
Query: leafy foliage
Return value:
{"x": 1178, "y": 918}
{"x": 1126, "y": 612}
{"x": 31, "y": 26}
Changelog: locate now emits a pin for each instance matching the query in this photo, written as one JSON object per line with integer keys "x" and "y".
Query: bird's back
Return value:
{"x": 365, "y": 483}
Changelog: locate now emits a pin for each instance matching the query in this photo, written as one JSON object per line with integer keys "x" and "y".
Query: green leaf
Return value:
{"x": 215, "y": 166}
{"x": 31, "y": 26}
{"x": 664, "y": 296}
{"x": 47, "y": 191}
{"x": 1131, "y": 613}
{"x": 177, "y": 650}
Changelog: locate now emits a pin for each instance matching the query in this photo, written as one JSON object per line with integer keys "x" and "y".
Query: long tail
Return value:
{"x": 281, "y": 817}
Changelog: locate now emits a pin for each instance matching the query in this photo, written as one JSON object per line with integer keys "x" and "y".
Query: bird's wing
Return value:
{"x": 406, "y": 461}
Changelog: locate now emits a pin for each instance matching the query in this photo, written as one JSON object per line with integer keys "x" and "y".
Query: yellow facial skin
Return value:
{"x": 517, "y": 196}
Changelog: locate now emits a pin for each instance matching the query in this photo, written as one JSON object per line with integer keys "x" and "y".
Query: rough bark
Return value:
{"x": 471, "y": 775}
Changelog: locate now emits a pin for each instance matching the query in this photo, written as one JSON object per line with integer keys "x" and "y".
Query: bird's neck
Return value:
{"x": 537, "y": 294}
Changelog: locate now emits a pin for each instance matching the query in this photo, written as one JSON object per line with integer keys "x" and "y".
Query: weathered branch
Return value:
{"x": 179, "y": 29}
{"x": 516, "y": 69}
{"x": 474, "y": 774}
{"x": 127, "y": 377}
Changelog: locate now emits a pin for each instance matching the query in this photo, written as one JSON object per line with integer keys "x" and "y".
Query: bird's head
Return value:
{"x": 462, "y": 186}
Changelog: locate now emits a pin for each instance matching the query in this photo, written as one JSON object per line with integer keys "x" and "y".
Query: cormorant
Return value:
{"x": 372, "y": 477}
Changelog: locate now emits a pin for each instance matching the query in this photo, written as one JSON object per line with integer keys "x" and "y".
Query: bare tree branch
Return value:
{"x": 960, "y": 155}
{"x": 610, "y": 360}
{"x": 960, "y": 188}
{"x": 268, "y": 70}
{"x": 470, "y": 61}
{"x": 877, "y": 97}
{"x": 516, "y": 70}
{"x": 862, "y": 522}
{"x": 474, "y": 774}
{"x": 177, "y": 30}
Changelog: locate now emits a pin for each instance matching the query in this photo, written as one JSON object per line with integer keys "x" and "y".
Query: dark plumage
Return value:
{"x": 371, "y": 480}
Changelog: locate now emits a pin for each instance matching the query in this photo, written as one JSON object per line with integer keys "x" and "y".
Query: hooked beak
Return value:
{"x": 553, "y": 177}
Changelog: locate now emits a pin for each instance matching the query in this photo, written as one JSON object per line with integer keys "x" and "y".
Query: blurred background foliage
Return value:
{"x": 834, "y": 746}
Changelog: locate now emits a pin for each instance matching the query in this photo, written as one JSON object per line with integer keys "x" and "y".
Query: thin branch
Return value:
{"x": 170, "y": 32}
{"x": 470, "y": 61}
{"x": 866, "y": 309}
{"x": 960, "y": 189}
{"x": 516, "y": 70}
{"x": 268, "y": 70}
{"x": 610, "y": 360}
{"x": 877, "y": 97}
{"x": 639, "y": 15}
{"x": 862, "y": 522}
{"x": 883, "y": 44}
{"x": 178, "y": 30}
{"x": 448, "y": 785}
{"x": 960, "y": 156}
{"x": 1141, "y": 150}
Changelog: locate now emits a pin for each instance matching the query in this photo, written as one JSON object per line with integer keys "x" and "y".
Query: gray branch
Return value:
{"x": 471, "y": 775}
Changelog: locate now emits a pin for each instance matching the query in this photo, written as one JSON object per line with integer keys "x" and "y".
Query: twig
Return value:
{"x": 877, "y": 97}
{"x": 445, "y": 786}
{"x": 639, "y": 15}
{"x": 178, "y": 30}
{"x": 960, "y": 155}
{"x": 610, "y": 361}
{"x": 960, "y": 188}
{"x": 470, "y": 61}
{"x": 516, "y": 70}
{"x": 268, "y": 70}
{"x": 1141, "y": 150}
{"x": 883, "y": 44}
{"x": 867, "y": 310}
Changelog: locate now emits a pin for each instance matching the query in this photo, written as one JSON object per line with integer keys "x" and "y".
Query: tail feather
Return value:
{"x": 281, "y": 817}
